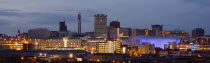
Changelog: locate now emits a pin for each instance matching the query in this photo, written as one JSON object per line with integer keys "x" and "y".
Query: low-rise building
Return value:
{"x": 146, "y": 48}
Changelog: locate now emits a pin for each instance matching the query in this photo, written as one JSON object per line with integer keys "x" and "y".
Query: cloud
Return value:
{"x": 4, "y": 22}
{"x": 9, "y": 12}
{"x": 36, "y": 19}
{"x": 186, "y": 14}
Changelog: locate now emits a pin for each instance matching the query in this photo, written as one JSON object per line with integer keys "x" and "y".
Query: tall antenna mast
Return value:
{"x": 79, "y": 23}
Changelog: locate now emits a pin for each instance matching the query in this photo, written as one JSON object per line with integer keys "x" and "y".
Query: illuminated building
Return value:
{"x": 19, "y": 32}
{"x": 185, "y": 36}
{"x": 3, "y": 35}
{"x": 204, "y": 39}
{"x": 158, "y": 41}
{"x": 74, "y": 43}
{"x": 113, "y": 33}
{"x": 100, "y": 25}
{"x": 96, "y": 40}
{"x": 106, "y": 57}
{"x": 91, "y": 43}
{"x": 29, "y": 46}
{"x": 148, "y": 32}
{"x": 177, "y": 53}
{"x": 198, "y": 32}
{"x": 146, "y": 48}
{"x": 22, "y": 36}
{"x": 65, "y": 42}
{"x": 109, "y": 47}
{"x": 125, "y": 32}
{"x": 39, "y": 33}
{"x": 11, "y": 46}
{"x": 186, "y": 47}
{"x": 142, "y": 32}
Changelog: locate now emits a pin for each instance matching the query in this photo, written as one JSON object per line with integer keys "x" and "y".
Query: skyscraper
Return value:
{"x": 157, "y": 30}
{"x": 79, "y": 23}
{"x": 115, "y": 24}
{"x": 113, "y": 30}
{"x": 158, "y": 27}
{"x": 100, "y": 25}
{"x": 63, "y": 27}
{"x": 198, "y": 32}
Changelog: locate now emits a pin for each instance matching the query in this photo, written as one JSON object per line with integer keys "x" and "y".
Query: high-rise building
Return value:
{"x": 158, "y": 27}
{"x": 100, "y": 25}
{"x": 63, "y": 27}
{"x": 113, "y": 30}
{"x": 115, "y": 24}
{"x": 79, "y": 23}
{"x": 198, "y": 32}
{"x": 157, "y": 30}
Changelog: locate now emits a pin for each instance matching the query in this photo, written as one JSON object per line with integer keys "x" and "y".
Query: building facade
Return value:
{"x": 146, "y": 48}
{"x": 39, "y": 33}
{"x": 185, "y": 36}
{"x": 198, "y": 32}
{"x": 108, "y": 47}
{"x": 100, "y": 25}
{"x": 158, "y": 29}
{"x": 115, "y": 24}
{"x": 62, "y": 26}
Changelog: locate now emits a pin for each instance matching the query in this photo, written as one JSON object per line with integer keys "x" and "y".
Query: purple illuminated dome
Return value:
{"x": 158, "y": 41}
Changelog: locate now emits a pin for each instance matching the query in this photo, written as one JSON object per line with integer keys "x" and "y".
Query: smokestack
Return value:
{"x": 79, "y": 23}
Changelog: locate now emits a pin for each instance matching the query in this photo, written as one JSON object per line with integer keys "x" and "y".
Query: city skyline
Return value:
{"x": 184, "y": 14}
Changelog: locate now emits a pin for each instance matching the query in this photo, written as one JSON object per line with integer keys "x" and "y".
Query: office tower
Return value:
{"x": 113, "y": 30}
{"x": 100, "y": 25}
{"x": 39, "y": 33}
{"x": 79, "y": 23}
{"x": 63, "y": 27}
{"x": 198, "y": 32}
{"x": 157, "y": 30}
{"x": 115, "y": 24}
{"x": 158, "y": 27}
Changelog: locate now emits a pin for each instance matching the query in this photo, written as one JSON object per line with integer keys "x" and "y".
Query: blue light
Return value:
{"x": 157, "y": 41}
